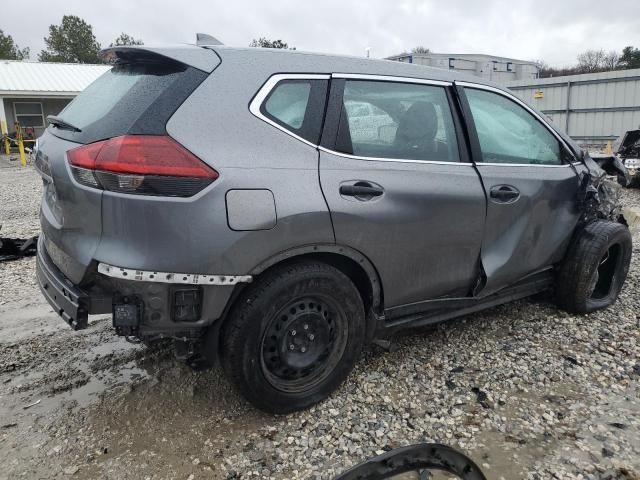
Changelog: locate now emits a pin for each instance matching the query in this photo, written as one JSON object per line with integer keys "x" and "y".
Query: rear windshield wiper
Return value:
{"x": 60, "y": 123}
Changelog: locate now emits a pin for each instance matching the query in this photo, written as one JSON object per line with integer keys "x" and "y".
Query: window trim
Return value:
{"x": 16, "y": 114}
{"x": 255, "y": 106}
{"x": 513, "y": 98}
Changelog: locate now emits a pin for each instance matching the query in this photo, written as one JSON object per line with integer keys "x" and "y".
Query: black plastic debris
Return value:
{"x": 422, "y": 458}
{"x": 15, "y": 248}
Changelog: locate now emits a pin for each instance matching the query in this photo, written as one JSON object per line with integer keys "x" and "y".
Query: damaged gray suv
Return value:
{"x": 276, "y": 210}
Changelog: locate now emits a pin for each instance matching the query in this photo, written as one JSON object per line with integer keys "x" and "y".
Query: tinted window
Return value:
{"x": 298, "y": 105}
{"x": 396, "y": 120}
{"x": 129, "y": 99}
{"x": 510, "y": 134}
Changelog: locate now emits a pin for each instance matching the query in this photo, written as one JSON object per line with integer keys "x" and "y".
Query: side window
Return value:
{"x": 298, "y": 106}
{"x": 396, "y": 120}
{"x": 510, "y": 134}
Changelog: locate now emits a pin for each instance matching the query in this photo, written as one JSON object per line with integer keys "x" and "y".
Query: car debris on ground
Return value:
{"x": 15, "y": 248}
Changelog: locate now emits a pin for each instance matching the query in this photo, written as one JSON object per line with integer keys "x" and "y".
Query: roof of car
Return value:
{"x": 313, "y": 62}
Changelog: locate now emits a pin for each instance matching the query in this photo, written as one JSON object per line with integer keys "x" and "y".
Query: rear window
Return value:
{"x": 129, "y": 99}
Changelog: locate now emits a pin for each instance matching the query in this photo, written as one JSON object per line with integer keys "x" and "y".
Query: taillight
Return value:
{"x": 142, "y": 165}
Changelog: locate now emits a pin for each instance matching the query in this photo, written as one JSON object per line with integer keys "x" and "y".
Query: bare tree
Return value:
{"x": 611, "y": 60}
{"x": 420, "y": 49}
{"x": 591, "y": 61}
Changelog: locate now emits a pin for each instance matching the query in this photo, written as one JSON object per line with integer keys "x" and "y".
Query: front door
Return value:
{"x": 400, "y": 186}
{"x": 531, "y": 186}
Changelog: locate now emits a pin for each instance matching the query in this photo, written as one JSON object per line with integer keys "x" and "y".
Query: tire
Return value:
{"x": 595, "y": 267}
{"x": 294, "y": 336}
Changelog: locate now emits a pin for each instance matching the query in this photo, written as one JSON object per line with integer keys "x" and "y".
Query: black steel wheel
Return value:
{"x": 595, "y": 267}
{"x": 302, "y": 343}
{"x": 293, "y": 336}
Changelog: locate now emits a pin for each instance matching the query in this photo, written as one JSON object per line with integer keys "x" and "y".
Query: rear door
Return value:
{"x": 400, "y": 186}
{"x": 530, "y": 182}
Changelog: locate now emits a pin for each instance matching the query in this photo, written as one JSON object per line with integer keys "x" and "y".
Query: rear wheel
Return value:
{"x": 595, "y": 267}
{"x": 294, "y": 336}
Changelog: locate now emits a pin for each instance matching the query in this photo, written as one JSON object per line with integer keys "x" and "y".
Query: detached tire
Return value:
{"x": 595, "y": 267}
{"x": 294, "y": 336}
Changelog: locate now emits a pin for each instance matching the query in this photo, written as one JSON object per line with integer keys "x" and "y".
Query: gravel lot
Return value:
{"x": 526, "y": 390}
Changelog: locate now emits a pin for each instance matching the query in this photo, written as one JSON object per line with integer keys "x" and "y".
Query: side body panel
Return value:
{"x": 534, "y": 231}
{"x": 423, "y": 234}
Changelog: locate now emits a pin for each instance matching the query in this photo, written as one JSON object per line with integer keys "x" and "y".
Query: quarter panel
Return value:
{"x": 193, "y": 236}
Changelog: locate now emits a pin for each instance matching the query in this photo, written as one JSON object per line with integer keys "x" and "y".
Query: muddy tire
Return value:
{"x": 595, "y": 267}
{"x": 293, "y": 337}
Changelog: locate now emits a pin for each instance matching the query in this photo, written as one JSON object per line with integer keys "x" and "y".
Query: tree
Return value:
{"x": 611, "y": 60}
{"x": 420, "y": 49}
{"x": 266, "y": 43}
{"x": 630, "y": 58}
{"x": 9, "y": 50}
{"x": 125, "y": 40}
{"x": 72, "y": 41}
{"x": 591, "y": 61}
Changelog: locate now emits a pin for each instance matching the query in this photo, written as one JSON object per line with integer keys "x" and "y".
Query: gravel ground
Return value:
{"x": 526, "y": 390}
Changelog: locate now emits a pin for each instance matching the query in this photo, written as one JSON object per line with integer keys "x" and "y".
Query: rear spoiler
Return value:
{"x": 203, "y": 59}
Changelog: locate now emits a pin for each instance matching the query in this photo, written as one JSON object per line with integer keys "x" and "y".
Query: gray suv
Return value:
{"x": 276, "y": 210}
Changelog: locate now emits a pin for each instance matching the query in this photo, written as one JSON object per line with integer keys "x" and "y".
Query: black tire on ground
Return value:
{"x": 293, "y": 337}
{"x": 595, "y": 267}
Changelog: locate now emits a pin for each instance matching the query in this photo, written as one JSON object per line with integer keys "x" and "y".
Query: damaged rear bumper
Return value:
{"x": 144, "y": 304}
{"x": 68, "y": 301}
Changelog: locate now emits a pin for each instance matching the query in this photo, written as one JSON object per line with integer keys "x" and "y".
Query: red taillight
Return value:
{"x": 141, "y": 164}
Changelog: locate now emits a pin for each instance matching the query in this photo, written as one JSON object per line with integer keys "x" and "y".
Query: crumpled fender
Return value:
{"x": 599, "y": 197}
{"x": 612, "y": 165}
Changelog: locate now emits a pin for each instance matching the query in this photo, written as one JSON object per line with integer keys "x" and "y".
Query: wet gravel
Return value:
{"x": 526, "y": 390}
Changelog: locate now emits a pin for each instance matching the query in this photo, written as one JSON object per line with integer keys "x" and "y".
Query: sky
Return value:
{"x": 555, "y": 31}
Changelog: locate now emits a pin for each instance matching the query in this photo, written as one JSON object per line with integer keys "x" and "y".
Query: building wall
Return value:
{"x": 50, "y": 106}
{"x": 497, "y": 69}
{"x": 591, "y": 108}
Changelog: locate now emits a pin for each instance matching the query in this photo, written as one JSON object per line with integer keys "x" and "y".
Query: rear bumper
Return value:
{"x": 157, "y": 298}
{"x": 67, "y": 300}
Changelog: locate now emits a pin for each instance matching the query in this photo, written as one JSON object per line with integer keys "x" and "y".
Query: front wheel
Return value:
{"x": 294, "y": 336}
{"x": 595, "y": 267}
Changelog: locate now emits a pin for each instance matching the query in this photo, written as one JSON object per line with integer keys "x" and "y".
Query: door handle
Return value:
{"x": 504, "y": 193}
{"x": 361, "y": 190}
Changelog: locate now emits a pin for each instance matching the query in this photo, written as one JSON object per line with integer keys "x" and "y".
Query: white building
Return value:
{"x": 29, "y": 91}
{"x": 490, "y": 67}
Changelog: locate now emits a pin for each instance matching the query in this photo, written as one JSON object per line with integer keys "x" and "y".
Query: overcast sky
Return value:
{"x": 552, "y": 30}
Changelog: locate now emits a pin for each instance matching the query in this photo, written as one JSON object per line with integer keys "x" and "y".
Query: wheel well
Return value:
{"x": 349, "y": 267}
{"x": 372, "y": 298}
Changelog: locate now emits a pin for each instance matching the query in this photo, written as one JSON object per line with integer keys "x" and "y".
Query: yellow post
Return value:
{"x": 23, "y": 157}
{"x": 608, "y": 149}
{"x": 5, "y": 135}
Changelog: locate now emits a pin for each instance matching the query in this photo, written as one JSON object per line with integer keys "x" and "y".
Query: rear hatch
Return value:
{"x": 132, "y": 101}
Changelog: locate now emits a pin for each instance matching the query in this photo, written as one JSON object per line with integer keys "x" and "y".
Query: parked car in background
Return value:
{"x": 627, "y": 149}
{"x": 277, "y": 210}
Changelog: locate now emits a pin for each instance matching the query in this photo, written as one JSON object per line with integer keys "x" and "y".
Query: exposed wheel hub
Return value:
{"x": 305, "y": 339}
